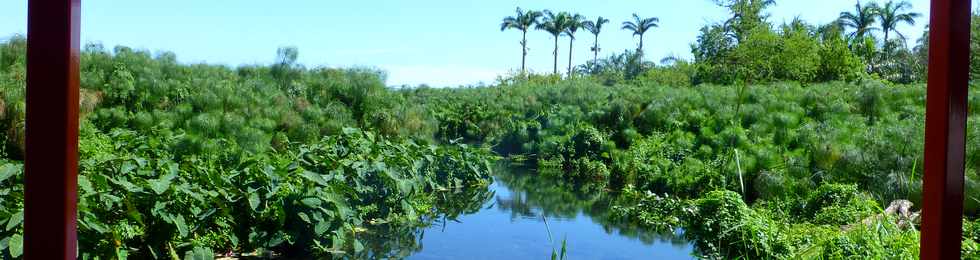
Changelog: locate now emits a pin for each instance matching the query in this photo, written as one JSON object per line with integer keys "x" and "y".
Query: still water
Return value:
{"x": 524, "y": 217}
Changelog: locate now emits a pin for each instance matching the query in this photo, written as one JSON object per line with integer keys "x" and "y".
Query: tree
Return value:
{"x": 862, "y": 20}
{"x": 712, "y": 54}
{"x": 595, "y": 28}
{"x": 285, "y": 70}
{"x": 922, "y": 50}
{"x": 574, "y": 23}
{"x": 746, "y": 15}
{"x": 639, "y": 26}
{"x": 891, "y": 15}
{"x": 522, "y": 21}
{"x": 837, "y": 61}
{"x": 555, "y": 25}
{"x": 799, "y": 58}
{"x": 757, "y": 57}
{"x": 617, "y": 67}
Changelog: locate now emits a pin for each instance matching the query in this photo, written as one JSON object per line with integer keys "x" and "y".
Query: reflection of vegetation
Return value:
{"x": 400, "y": 240}
{"x": 530, "y": 198}
{"x": 535, "y": 197}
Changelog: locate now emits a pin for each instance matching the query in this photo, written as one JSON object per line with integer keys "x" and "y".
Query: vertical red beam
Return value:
{"x": 51, "y": 158}
{"x": 946, "y": 113}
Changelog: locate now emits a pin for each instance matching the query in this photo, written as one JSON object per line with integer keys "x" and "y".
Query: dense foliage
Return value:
{"x": 747, "y": 48}
{"x": 198, "y": 160}
{"x": 804, "y": 161}
{"x": 782, "y": 141}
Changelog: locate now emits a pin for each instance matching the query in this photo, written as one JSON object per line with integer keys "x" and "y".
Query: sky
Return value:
{"x": 434, "y": 42}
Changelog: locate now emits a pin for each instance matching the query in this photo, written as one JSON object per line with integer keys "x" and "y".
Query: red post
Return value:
{"x": 51, "y": 158}
{"x": 945, "y": 143}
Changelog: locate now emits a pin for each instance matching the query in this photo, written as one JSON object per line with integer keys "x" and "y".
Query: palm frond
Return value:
{"x": 630, "y": 26}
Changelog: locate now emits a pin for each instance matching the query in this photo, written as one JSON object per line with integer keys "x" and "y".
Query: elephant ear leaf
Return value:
{"x": 161, "y": 185}
{"x": 16, "y": 245}
{"x": 315, "y": 177}
{"x": 199, "y": 253}
{"x": 181, "y": 225}
{"x": 358, "y": 246}
{"x": 15, "y": 220}
{"x": 253, "y": 199}
{"x": 8, "y": 170}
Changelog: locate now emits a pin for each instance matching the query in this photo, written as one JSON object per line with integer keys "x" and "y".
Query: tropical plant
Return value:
{"x": 574, "y": 23}
{"x": 595, "y": 28}
{"x": 554, "y": 24}
{"x": 891, "y": 15}
{"x": 639, "y": 27}
{"x": 746, "y": 15}
{"x": 862, "y": 20}
{"x": 522, "y": 21}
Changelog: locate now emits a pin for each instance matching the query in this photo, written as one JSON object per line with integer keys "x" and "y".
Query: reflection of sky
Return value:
{"x": 495, "y": 233}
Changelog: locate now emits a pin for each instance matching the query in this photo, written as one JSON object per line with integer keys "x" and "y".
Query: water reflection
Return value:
{"x": 544, "y": 199}
{"x": 521, "y": 216}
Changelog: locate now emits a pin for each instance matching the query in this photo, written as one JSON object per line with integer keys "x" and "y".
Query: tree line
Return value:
{"x": 567, "y": 24}
{"x": 748, "y": 48}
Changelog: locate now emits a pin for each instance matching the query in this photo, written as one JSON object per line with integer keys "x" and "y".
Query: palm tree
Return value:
{"x": 891, "y": 15}
{"x": 639, "y": 26}
{"x": 595, "y": 28}
{"x": 861, "y": 20}
{"x": 554, "y": 24}
{"x": 574, "y": 22}
{"x": 522, "y": 21}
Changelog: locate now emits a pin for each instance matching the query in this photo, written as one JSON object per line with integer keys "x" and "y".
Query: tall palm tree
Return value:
{"x": 522, "y": 21}
{"x": 555, "y": 25}
{"x": 595, "y": 28}
{"x": 574, "y": 23}
{"x": 891, "y": 16}
{"x": 639, "y": 26}
{"x": 862, "y": 20}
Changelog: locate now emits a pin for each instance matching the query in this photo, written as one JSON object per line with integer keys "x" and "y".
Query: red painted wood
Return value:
{"x": 946, "y": 114}
{"x": 51, "y": 158}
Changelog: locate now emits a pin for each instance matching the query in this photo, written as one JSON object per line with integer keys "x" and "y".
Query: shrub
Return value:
{"x": 724, "y": 227}
{"x": 838, "y": 204}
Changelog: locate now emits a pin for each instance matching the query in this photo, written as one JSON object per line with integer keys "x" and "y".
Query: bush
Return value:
{"x": 838, "y": 204}
{"x": 724, "y": 227}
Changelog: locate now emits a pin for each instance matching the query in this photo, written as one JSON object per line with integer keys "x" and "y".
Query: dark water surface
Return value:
{"x": 525, "y": 217}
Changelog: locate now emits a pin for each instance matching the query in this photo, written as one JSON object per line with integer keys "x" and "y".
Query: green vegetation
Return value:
{"x": 775, "y": 141}
{"x": 207, "y": 159}
{"x": 670, "y": 152}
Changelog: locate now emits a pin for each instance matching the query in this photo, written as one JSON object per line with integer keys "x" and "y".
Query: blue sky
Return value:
{"x": 438, "y": 42}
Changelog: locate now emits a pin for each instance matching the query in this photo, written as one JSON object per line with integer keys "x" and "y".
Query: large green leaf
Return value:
{"x": 315, "y": 177}
{"x": 127, "y": 167}
{"x": 161, "y": 185}
{"x": 16, "y": 245}
{"x": 253, "y": 199}
{"x": 199, "y": 253}
{"x": 181, "y": 225}
{"x": 8, "y": 170}
{"x": 15, "y": 220}
{"x": 311, "y": 202}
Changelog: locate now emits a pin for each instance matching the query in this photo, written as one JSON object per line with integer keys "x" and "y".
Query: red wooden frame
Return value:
{"x": 51, "y": 155}
{"x": 945, "y": 140}
{"x": 51, "y": 163}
